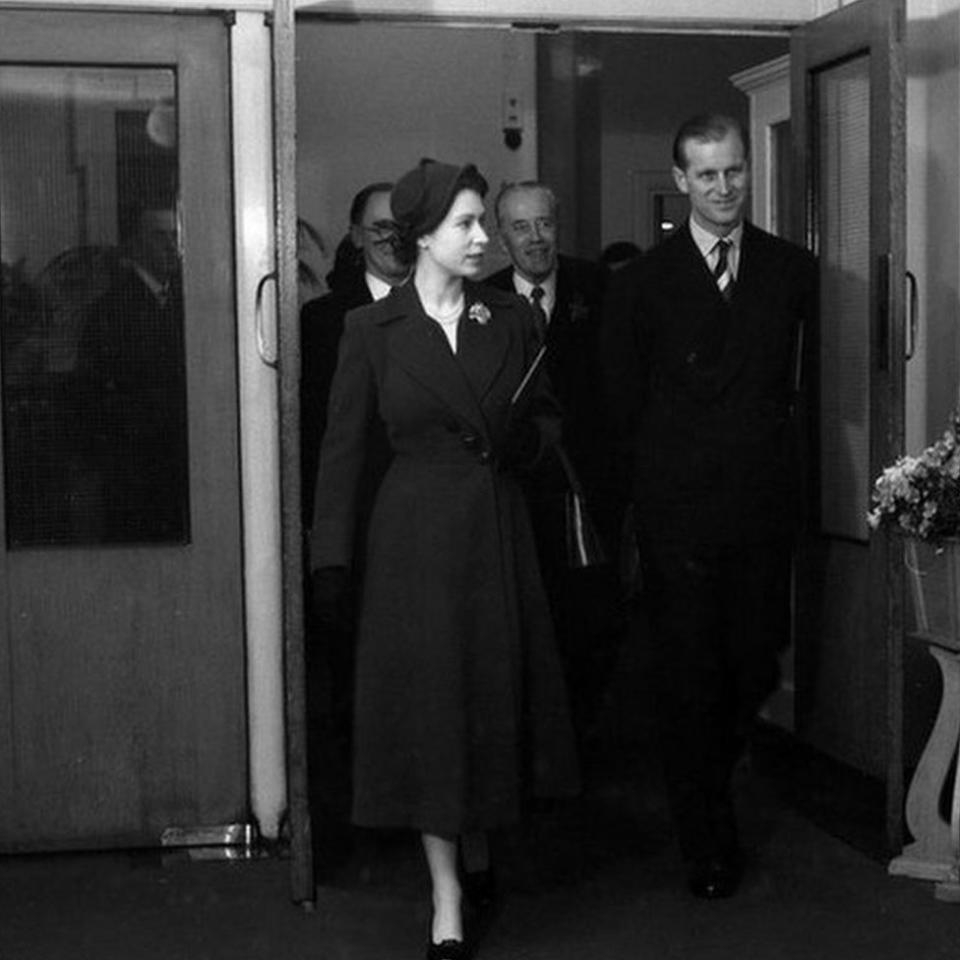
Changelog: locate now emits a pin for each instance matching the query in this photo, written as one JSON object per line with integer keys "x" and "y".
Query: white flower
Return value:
{"x": 479, "y": 312}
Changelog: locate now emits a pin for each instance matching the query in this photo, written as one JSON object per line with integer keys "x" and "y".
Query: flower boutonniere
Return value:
{"x": 578, "y": 309}
{"x": 479, "y": 312}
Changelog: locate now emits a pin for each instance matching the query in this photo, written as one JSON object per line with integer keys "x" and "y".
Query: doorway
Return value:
{"x": 629, "y": 92}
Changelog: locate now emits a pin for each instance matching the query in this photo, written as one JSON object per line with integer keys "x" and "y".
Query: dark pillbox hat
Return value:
{"x": 421, "y": 198}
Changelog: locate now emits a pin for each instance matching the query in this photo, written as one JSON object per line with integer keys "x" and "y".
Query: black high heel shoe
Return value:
{"x": 449, "y": 949}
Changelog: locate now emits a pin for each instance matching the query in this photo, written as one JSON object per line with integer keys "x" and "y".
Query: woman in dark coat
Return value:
{"x": 460, "y": 707}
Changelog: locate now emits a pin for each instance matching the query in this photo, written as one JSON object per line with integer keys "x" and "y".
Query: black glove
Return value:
{"x": 331, "y": 599}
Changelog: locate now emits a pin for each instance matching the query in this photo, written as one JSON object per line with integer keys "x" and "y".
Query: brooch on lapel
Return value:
{"x": 578, "y": 309}
{"x": 479, "y": 312}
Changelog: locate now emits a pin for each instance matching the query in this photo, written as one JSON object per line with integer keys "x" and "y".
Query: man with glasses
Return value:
{"x": 566, "y": 295}
{"x": 368, "y": 275}
{"x": 373, "y": 269}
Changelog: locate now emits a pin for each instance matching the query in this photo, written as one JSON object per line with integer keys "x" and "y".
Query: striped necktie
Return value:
{"x": 722, "y": 272}
{"x": 539, "y": 314}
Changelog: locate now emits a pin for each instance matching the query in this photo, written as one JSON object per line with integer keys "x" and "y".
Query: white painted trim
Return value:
{"x": 768, "y": 87}
{"x": 762, "y": 75}
{"x": 252, "y": 107}
{"x": 148, "y": 6}
{"x": 745, "y": 13}
{"x": 700, "y": 15}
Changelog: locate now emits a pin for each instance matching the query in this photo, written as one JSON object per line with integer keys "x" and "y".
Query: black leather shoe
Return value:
{"x": 716, "y": 878}
{"x": 447, "y": 950}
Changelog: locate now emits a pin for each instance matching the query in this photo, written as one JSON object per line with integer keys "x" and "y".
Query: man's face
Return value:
{"x": 717, "y": 181}
{"x": 376, "y": 235}
{"x": 528, "y": 232}
{"x": 156, "y": 246}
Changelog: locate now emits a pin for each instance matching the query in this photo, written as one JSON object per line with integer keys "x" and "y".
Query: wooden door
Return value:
{"x": 122, "y": 717}
{"x": 847, "y": 112}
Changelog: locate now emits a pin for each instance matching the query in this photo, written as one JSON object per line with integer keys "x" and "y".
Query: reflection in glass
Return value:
{"x": 843, "y": 217}
{"x": 91, "y": 317}
{"x": 780, "y": 146}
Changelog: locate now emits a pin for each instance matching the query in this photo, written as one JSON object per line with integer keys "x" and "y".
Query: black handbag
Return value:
{"x": 584, "y": 546}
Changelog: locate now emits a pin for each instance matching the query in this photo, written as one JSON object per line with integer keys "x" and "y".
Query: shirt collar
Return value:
{"x": 706, "y": 241}
{"x": 549, "y": 286}
{"x": 378, "y": 288}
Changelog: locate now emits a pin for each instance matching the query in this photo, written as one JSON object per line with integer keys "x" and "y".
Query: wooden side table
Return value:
{"x": 934, "y": 853}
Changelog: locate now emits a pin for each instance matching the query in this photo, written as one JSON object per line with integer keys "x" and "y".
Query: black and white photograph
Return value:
{"x": 479, "y": 479}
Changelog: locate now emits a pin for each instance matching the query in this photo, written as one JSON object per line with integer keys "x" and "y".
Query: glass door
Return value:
{"x": 120, "y": 583}
{"x": 848, "y": 122}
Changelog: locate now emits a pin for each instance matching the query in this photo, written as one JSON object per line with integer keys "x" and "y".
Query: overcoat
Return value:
{"x": 573, "y": 362}
{"x": 321, "y": 327}
{"x": 707, "y": 388}
{"x": 460, "y": 703}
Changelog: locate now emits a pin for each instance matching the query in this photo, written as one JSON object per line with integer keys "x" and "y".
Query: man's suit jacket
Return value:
{"x": 321, "y": 327}
{"x": 572, "y": 361}
{"x": 707, "y": 387}
{"x": 132, "y": 412}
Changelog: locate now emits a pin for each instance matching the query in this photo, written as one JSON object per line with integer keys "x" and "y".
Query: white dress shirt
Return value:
{"x": 707, "y": 244}
{"x": 549, "y": 287}
{"x": 378, "y": 288}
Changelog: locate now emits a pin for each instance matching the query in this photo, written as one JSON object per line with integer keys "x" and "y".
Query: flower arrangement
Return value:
{"x": 920, "y": 496}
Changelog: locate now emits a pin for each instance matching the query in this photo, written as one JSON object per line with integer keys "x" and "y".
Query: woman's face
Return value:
{"x": 458, "y": 243}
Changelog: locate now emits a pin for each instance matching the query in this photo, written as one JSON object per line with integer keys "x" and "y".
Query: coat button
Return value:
{"x": 484, "y": 456}
{"x": 692, "y": 357}
{"x": 470, "y": 440}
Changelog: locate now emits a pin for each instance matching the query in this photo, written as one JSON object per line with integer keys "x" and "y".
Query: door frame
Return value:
{"x": 879, "y": 27}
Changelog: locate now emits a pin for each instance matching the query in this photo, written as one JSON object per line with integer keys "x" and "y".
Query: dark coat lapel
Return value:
{"x": 753, "y": 274}
{"x": 713, "y": 322}
{"x": 482, "y": 347}
{"x": 418, "y": 345}
{"x": 702, "y": 301}
{"x": 569, "y": 298}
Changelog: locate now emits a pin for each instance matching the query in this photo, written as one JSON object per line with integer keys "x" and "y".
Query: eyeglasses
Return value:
{"x": 381, "y": 230}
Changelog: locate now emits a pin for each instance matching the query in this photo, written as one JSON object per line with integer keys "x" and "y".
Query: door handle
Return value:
{"x": 262, "y": 347}
{"x": 913, "y": 314}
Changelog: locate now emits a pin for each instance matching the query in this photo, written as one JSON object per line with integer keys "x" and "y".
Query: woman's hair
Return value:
{"x": 423, "y": 197}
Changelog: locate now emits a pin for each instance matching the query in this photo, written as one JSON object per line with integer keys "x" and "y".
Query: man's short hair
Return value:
{"x": 360, "y": 200}
{"x": 706, "y": 127}
{"x": 508, "y": 187}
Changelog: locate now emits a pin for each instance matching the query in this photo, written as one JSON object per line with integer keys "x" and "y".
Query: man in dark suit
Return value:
{"x": 701, "y": 350}
{"x": 131, "y": 371}
{"x": 375, "y": 270}
{"x": 567, "y": 295}
{"x": 356, "y": 281}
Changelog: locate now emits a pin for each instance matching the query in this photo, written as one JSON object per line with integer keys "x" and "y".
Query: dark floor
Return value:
{"x": 594, "y": 880}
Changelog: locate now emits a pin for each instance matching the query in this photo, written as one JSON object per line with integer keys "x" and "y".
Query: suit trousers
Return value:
{"x": 719, "y": 617}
